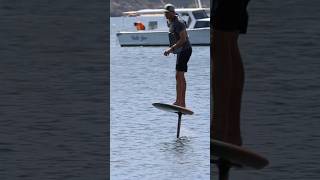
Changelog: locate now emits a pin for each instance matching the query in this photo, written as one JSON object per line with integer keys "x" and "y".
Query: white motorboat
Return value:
{"x": 156, "y": 31}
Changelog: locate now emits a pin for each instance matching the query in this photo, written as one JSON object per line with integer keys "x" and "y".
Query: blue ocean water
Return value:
{"x": 143, "y": 138}
{"x": 53, "y": 107}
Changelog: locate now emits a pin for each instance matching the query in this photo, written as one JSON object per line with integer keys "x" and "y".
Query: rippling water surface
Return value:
{"x": 53, "y": 92}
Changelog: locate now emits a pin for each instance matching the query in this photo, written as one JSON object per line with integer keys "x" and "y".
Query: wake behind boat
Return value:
{"x": 198, "y": 28}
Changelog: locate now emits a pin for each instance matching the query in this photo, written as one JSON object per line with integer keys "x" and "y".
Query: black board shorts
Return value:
{"x": 230, "y": 15}
{"x": 182, "y": 59}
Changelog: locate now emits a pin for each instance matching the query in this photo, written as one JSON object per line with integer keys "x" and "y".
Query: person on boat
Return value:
{"x": 230, "y": 18}
{"x": 139, "y": 26}
{"x": 181, "y": 46}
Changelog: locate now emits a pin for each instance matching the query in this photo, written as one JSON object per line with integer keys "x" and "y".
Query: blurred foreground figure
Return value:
{"x": 229, "y": 18}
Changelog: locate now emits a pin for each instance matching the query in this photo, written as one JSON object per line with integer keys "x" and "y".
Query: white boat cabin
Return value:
{"x": 194, "y": 17}
{"x": 151, "y": 29}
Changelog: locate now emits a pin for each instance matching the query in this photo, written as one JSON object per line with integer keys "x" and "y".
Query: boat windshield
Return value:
{"x": 200, "y": 14}
{"x": 202, "y": 24}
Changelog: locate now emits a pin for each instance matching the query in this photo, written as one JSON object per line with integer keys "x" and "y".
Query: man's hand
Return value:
{"x": 168, "y": 51}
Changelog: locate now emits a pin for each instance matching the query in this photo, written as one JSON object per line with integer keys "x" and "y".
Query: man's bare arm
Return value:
{"x": 181, "y": 41}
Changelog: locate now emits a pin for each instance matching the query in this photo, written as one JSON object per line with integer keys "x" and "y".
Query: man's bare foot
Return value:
{"x": 179, "y": 104}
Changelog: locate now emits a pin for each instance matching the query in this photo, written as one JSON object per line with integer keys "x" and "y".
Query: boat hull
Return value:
{"x": 199, "y": 36}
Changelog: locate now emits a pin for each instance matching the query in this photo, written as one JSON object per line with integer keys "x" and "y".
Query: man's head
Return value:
{"x": 169, "y": 11}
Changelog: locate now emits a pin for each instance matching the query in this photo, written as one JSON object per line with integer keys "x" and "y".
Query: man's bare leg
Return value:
{"x": 221, "y": 85}
{"x": 225, "y": 124}
{"x": 236, "y": 90}
{"x": 180, "y": 89}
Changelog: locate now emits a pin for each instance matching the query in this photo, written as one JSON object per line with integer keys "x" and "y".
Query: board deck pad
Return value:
{"x": 172, "y": 108}
{"x": 237, "y": 155}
